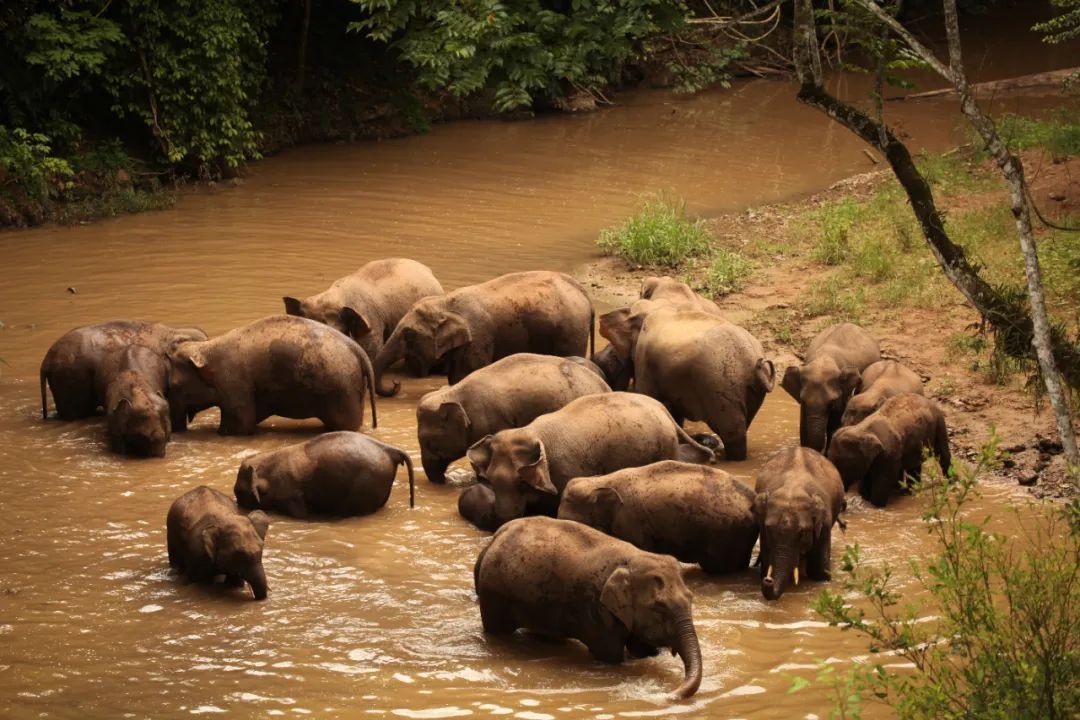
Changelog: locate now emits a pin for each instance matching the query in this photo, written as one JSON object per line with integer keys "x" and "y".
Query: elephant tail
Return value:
{"x": 404, "y": 459}
{"x": 43, "y": 376}
{"x": 592, "y": 333}
{"x": 369, "y": 380}
{"x": 690, "y": 450}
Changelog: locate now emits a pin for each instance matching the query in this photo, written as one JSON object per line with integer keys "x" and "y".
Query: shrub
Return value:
{"x": 834, "y": 222}
{"x": 727, "y": 273}
{"x": 28, "y": 165}
{"x": 658, "y": 234}
{"x": 1060, "y": 136}
{"x": 829, "y": 298}
{"x": 1001, "y": 639}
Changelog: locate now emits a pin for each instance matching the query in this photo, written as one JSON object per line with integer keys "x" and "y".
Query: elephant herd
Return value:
{"x": 594, "y": 492}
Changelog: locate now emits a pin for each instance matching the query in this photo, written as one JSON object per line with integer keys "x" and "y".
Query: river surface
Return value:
{"x": 376, "y": 615}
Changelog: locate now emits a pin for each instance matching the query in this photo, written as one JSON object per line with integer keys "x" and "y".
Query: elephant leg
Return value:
{"x": 819, "y": 562}
{"x": 495, "y": 615}
{"x": 607, "y": 646}
{"x": 233, "y": 581}
{"x": 238, "y": 418}
{"x": 175, "y": 556}
{"x": 343, "y": 415}
{"x": 735, "y": 446}
{"x": 638, "y": 648}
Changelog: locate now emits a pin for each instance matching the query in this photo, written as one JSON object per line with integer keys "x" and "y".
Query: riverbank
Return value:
{"x": 854, "y": 253}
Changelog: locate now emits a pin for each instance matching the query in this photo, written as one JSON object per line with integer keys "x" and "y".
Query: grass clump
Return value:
{"x": 728, "y": 273}
{"x": 830, "y": 297}
{"x": 834, "y": 221}
{"x": 660, "y": 233}
{"x": 1060, "y": 136}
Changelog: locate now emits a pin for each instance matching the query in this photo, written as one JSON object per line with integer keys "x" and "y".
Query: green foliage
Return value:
{"x": 659, "y": 234}
{"x": 1060, "y": 135}
{"x": 835, "y": 220}
{"x": 28, "y": 165}
{"x": 727, "y": 273}
{"x": 71, "y": 43}
{"x": 1000, "y": 638}
{"x": 704, "y": 65}
{"x": 1063, "y": 27}
{"x": 830, "y": 297}
{"x": 523, "y": 50}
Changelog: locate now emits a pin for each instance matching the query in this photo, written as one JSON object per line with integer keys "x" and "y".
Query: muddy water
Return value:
{"x": 375, "y": 615}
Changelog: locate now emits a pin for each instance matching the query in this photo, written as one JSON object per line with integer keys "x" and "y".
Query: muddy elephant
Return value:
{"x": 824, "y": 383}
{"x": 476, "y": 504}
{"x": 697, "y": 513}
{"x": 509, "y": 393}
{"x": 699, "y": 365}
{"x": 889, "y": 443}
{"x": 528, "y": 467}
{"x": 880, "y": 381}
{"x": 368, "y": 304}
{"x": 565, "y": 579}
{"x": 280, "y": 365}
{"x": 136, "y": 408}
{"x": 74, "y": 367}
{"x": 472, "y": 327}
{"x": 207, "y": 536}
{"x": 668, "y": 289}
{"x": 337, "y": 474}
{"x": 799, "y": 498}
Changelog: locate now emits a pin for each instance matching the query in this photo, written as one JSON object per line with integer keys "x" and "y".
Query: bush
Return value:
{"x": 834, "y": 224}
{"x": 1001, "y": 639}
{"x": 659, "y": 234}
{"x": 1060, "y": 136}
{"x": 727, "y": 273}
{"x": 28, "y": 165}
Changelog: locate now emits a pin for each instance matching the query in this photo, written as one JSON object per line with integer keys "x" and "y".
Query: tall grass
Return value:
{"x": 727, "y": 273}
{"x": 661, "y": 233}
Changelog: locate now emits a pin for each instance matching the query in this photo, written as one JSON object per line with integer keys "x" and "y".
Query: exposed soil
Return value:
{"x": 919, "y": 337}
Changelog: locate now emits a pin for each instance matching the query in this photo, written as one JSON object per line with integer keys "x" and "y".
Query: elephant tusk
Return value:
{"x": 796, "y": 576}
{"x": 768, "y": 574}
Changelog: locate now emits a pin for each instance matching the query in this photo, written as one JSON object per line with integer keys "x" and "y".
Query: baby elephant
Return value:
{"x": 566, "y": 579}
{"x": 528, "y": 467}
{"x": 698, "y": 514}
{"x": 799, "y": 497}
{"x": 477, "y": 505}
{"x": 880, "y": 382}
{"x": 339, "y": 473}
{"x": 208, "y": 537}
{"x": 509, "y": 393}
{"x": 135, "y": 405}
{"x": 877, "y": 452}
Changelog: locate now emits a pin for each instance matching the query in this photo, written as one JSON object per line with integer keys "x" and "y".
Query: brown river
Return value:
{"x": 376, "y": 616}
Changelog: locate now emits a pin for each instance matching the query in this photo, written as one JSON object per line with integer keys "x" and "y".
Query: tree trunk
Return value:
{"x": 301, "y": 52}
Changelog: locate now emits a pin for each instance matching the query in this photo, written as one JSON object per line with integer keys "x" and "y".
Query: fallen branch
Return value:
{"x": 1024, "y": 82}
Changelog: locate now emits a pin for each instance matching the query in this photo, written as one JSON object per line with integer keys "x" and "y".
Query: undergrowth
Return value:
{"x": 661, "y": 234}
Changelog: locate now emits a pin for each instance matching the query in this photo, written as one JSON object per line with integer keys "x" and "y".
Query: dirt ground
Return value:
{"x": 918, "y": 337}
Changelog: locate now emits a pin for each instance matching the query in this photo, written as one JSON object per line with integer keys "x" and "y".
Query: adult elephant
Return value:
{"x": 566, "y": 579}
{"x": 509, "y": 393}
{"x": 540, "y": 312}
{"x": 368, "y": 304}
{"x": 78, "y": 367}
{"x": 799, "y": 498}
{"x": 697, "y": 513}
{"x": 880, "y": 381}
{"x": 824, "y": 383}
{"x": 280, "y": 365}
{"x": 699, "y": 365}
{"x": 528, "y": 467}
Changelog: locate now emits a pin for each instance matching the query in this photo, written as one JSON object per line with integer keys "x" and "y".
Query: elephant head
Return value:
{"x": 249, "y": 489}
{"x": 648, "y": 597}
{"x": 424, "y": 336}
{"x": 860, "y": 407}
{"x": 822, "y": 388}
{"x": 191, "y": 383}
{"x": 344, "y": 319}
{"x": 477, "y": 505}
{"x": 139, "y": 423}
{"x": 616, "y": 371}
{"x": 591, "y": 503}
{"x": 853, "y": 451}
{"x": 515, "y": 464}
{"x": 235, "y": 549}
{"x": 443, "y": 430}
{"x": 790, "y": 520}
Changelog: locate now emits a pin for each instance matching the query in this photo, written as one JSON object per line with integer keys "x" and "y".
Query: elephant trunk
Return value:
{"x": 392, "y": 351}
{"x": 434, "y": 467}
{"x": 814, "y": 429}
{"x": 776, "y": 571}
{"x": 687, "y": 648}
{"x": 257, "y": 580}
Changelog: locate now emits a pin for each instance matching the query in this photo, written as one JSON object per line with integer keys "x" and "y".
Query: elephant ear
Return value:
{"x": 453, "y": 413}
{"x": 617, "y": 597}
{"x": 821, "y": 521}
{"x": 356, "y": 325}
{"x": 260, "y": 522}
{"x": 648, "y": 287}
{"x": 293, "y": 306}
{"x": 606, "y": 500}
{"x": 201, "y": 364}
{"x": 452, "y": 332}
{"x": 534, "y": 471}
{"x": 765, "y": 372}
{"x": 480, "y": 455}
{"x": 616, "y": 328}
{"x": 761, "y": 503}
{"x": 792, "y": 381}
{"x": 849, "y": 381}
{"x": 208, "y": 541}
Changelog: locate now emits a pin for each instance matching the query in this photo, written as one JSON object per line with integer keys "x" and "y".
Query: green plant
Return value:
{"x": 829, "y": 297}
{"x": 28, "y": 164}
{"x": 1000, "y": 638}
{"x": 658, "y": 234}
{"x": 1060, "y": 136}
{"x": 834, "y": 222}
{"x": 727, "y": 273}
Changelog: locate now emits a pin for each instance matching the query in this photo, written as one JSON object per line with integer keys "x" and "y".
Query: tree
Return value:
{"x": 1016, "y": 329}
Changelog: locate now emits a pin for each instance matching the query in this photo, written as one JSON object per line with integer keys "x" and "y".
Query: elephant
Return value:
{"x": 509, "y": 393}
{"x": 697, "y": 513}
{"x": 279, "y": 365}
{"x": 207, "y": 537}
{"x": 799, "y": 498}
{"x": 668, "y": 289}
{"x": 880, "y": 382}
{"x": 701, "y": 366}
{"x": 340, "y": 474}
{"x": 528, "y": 467}
{"x": 476, "y": 504}
{"x": 565, "y": 579}
{"x": 136, "y": 409}
{"x": 877, "y": 452}
{"x": 74, "y": 367}
{"x": 617, "y": 371}
{"x": 472, "y": 327}
{"x": 368, "y": 304}
{"x": 825, "y": 382}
